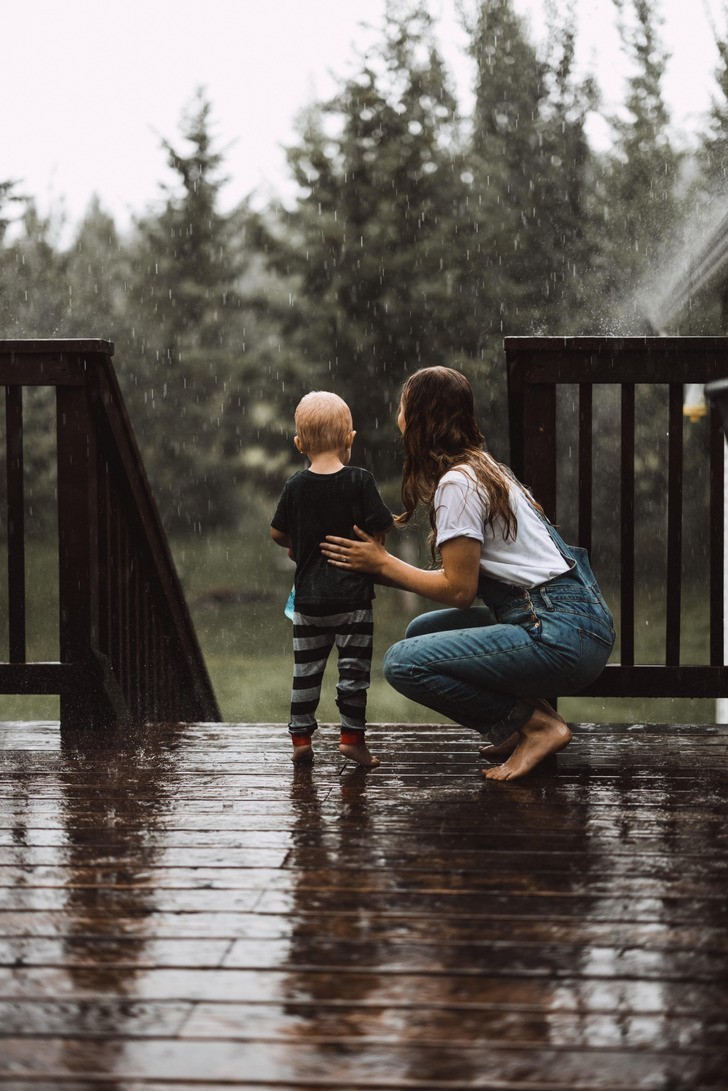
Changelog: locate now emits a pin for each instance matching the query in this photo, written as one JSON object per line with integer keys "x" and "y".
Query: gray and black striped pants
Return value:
{"x": 313, "y": 638}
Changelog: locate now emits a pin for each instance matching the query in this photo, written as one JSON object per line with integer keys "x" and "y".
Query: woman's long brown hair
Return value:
{"x": 441, "y": 433}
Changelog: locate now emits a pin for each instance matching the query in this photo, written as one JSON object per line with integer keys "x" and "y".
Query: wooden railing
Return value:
{"x": 536, "y": 368}
{"x": 127, "y": 648}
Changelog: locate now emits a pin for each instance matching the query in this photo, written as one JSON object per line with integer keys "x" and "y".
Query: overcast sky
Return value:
{"x": 88, "y": 86}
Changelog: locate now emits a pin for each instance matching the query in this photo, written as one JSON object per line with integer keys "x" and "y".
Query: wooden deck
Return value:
{"x": 185, "y": 910}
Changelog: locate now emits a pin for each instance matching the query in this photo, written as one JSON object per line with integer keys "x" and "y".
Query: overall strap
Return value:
{"x": 566, "y": 551}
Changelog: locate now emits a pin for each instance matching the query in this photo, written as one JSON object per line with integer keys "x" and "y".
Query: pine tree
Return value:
{"x": 531, "y": 165}
{"x": 640, "y": 178}
{"x": 509, "y": 165}
{"x": 96, "y": 270}
{"x": 713, "y": 154}
{"x": 565, "y": 201}
{"x": 187, "y": 331}
{"x": 707, "y": 309}
{"x": 33, "y": 290}
{"x": 33, "y": 302}
{"x": 8, "y": 196}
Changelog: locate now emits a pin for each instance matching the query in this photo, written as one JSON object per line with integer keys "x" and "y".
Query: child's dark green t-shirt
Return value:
{"x": 314, "y": 505}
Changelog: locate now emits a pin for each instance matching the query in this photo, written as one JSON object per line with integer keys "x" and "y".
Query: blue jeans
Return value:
{"x": 476, "y": 666}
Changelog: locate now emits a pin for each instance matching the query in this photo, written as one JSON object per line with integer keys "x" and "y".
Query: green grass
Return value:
{"x": 41, "y": 628}
{"x": 237, "y": 588}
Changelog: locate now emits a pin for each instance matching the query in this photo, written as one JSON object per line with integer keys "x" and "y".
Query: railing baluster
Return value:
{"x": 16, "y": 523}
{"x": 163, "y": 663}
{"x": 718, "y": 466}
{"x": 144, "y": 649}
{"x": 125, "y": 636}
{"x": 153, "y": 645}
{"x": 674, "y": 525}
{"x": 105, "y": 613}
{"x": 135, "y": 633}
{"x": 114, "y": 589}
{"x": 539, "y": 467}
{"x": 585, "y": 465}
{"x": 627, "y": 469}
{"x": 77, "y": 491}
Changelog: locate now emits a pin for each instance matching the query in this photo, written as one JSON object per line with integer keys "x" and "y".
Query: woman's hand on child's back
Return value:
{"x": 366, "y": 555}
{"x": 455, "y": 584}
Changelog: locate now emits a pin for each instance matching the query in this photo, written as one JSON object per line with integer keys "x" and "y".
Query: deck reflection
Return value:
{"x": 181, "y": 906}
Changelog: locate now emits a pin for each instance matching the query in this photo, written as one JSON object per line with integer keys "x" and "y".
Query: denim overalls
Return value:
{"x": 475, "y": 665}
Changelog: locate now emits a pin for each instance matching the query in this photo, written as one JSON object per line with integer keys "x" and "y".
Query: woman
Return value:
{"x": 545, "y": 627}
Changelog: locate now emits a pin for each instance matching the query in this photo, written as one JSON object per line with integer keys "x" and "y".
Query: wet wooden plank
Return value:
{"x": 340, "y": 1065}
{"x": 355, "y": 884}
{"x": 438, "y": 908}
{"x": 513, "y": 989}
{"x": 325, "y": 956}
{"x": 111, "y": 1018}
{"x": 276, "y": 1022}
{"x": 114, "y": 950}
{"x": 315, "y": 861}
{"x": 527, "y": 1029}
{"x": 46, "y": 844}
{"x": 461, "y": 931}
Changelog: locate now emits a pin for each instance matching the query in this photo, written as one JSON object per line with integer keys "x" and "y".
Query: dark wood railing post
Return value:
{"x": 532, "y": 430}
{"x": 539, "y": 455}
{"x": 77, "y": 522}
{"x": 515, "y": 417}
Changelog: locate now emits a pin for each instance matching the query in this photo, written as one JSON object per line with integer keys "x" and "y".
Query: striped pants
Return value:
{"x": 313, "y": 638}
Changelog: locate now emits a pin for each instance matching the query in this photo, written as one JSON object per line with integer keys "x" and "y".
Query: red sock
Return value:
{"x": 301, "y": 740}
{"x": 352, "y": 738}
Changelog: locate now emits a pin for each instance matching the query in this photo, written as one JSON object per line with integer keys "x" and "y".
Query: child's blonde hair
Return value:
{"x": 323, "y": 422}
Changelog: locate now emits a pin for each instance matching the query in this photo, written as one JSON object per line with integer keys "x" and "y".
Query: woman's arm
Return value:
{"x": 455, "y": 584}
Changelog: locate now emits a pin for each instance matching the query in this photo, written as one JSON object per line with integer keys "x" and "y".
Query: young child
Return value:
{"x": 331, "y": 606}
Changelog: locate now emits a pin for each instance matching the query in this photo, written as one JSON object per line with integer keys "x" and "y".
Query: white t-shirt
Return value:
{"x": 461, "y": 509}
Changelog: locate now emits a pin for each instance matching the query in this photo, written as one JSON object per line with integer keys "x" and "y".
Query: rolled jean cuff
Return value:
{"x": 519, "y": 715}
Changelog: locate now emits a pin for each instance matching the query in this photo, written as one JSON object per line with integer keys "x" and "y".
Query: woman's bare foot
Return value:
{"x": 502, "y": 750}
{"x": 542, "y": 736}
{"x": 360, "y": 754}
{"x": 302, "y": 754}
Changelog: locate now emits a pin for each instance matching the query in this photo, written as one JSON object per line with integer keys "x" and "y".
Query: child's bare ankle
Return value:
{"x": 360, "y": 753}
{"x": 302, "y": 753}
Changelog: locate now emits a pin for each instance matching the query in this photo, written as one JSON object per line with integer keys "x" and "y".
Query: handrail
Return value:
{"x": 536, "y": 367}
{"x": 128, "y": 649}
